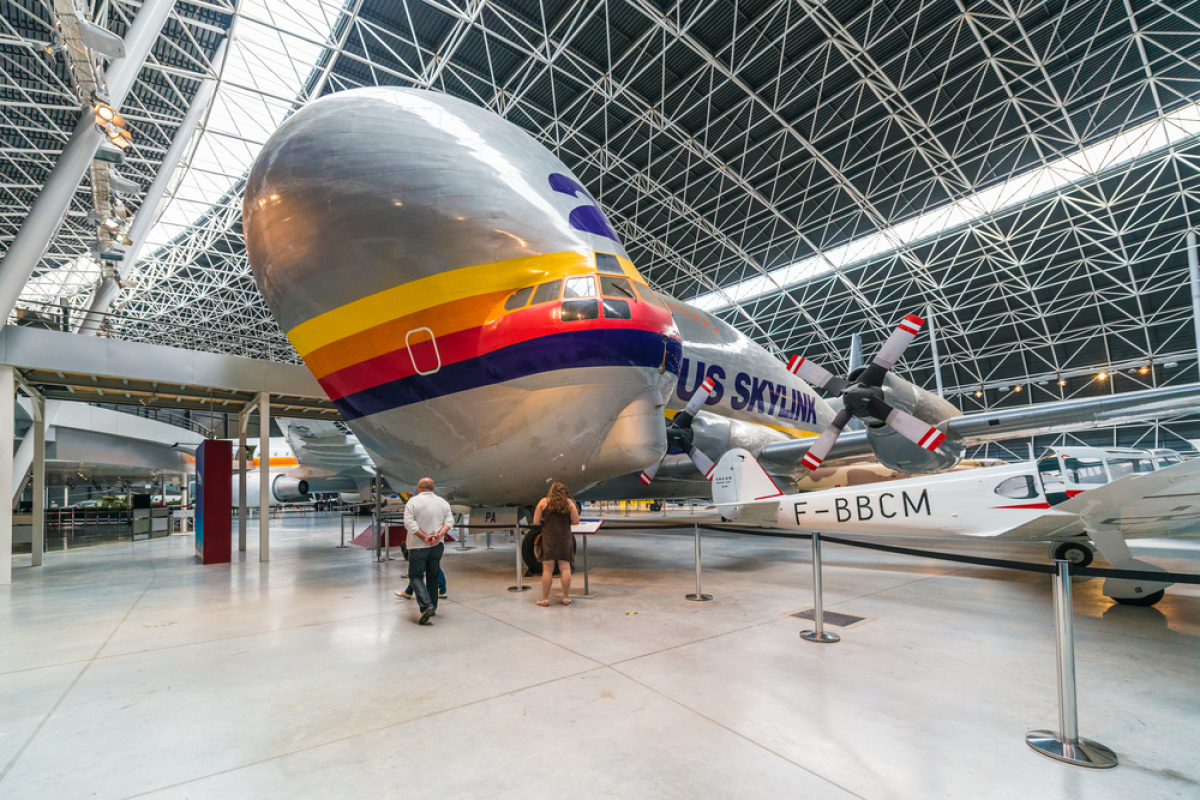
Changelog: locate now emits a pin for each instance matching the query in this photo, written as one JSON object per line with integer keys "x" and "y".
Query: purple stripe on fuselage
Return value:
{"x": 611, "y": 347}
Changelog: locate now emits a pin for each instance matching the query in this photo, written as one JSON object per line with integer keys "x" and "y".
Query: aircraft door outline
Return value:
{"x": 412, "y": 357}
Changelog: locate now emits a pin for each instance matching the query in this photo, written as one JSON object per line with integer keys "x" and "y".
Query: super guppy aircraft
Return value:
{"x": 467, "y": 305}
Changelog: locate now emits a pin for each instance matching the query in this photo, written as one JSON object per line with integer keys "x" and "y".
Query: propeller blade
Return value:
{"x": 647, "y": 476}
{"x": 920, "y": 433}
{"x": 816, "y": 375}
{"x": 824, "y": 443}
{"x": 894, "y": 347}
{"x": 702, "y": 462}
{"x": 699, "y": 397}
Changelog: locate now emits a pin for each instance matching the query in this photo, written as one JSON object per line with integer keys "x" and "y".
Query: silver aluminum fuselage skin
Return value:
{"x": 387, "y": 229}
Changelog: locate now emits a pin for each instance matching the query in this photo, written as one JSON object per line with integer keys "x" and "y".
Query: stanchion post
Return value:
{"x": 699, "y": 595}
{"x": 462, "y": 536}
{"x": 1066, "y": 744}
{"x": 818, "y": 634}
{"x": 520, "y": 587}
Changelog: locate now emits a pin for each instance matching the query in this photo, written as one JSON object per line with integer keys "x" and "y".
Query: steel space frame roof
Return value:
{"x": 729, "y": 139}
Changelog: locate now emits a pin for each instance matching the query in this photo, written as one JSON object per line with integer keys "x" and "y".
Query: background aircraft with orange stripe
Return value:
{"x": 473, "y": 314}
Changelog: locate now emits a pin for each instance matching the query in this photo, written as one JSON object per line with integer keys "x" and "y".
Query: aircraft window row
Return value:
{"x": 1085, "y": 470}
{"x": 607, "y": 262}
{"x": 616, "y": 309}
{"x": 1120, "y": 467}
{"x": 546, "y": 293}
{"x": 578, "y": 310}
{"x": 647, "y": 294}
{"x": 580, "y": 287}
{"x": 518, "y": 299}
{"x": 612, "y": 286}
{"x": 1167, "y": 458}
{"x": 1020, "y": 487}
{"x": 620, "y": 289}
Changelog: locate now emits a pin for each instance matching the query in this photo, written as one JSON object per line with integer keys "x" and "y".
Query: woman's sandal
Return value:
{"x": 566, "y": 601}
{"x": 543, "y": 603}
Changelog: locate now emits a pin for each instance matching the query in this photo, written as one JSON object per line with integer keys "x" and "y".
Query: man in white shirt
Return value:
{"x": 428, "y": 518}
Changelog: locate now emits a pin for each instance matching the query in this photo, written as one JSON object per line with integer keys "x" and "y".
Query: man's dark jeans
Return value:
{"x": 424, "y": 563}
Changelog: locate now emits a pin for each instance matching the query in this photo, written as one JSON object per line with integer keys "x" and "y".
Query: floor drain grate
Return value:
{"x": 834, "y": 618}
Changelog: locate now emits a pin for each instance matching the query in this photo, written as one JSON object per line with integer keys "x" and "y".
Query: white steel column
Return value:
{"x": 7, "y": 416}
{"x": 264, "y": 477}
{"x": 47, "y": 212}
{"x": 39, "y": 478}
{"x": 243, "y": 503}
{"x": 1194, "y": 271}
{"x": 937, "y": 362}
{"x": 108, "y": 290}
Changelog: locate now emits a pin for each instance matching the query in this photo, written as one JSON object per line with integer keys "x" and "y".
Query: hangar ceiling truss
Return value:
{"x": 808, "y": 170}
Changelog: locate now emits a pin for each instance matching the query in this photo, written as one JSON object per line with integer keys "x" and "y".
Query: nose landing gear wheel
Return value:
{"x": 1080, "y": 555}
{"x": 1148, "y": 600}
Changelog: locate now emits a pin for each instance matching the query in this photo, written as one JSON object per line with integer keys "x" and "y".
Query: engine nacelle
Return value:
{"x": 716, "y": 435}
{"x": 898, "y": 453}
{"x": 288, "y": 490}
{"x": 283, "y": 490}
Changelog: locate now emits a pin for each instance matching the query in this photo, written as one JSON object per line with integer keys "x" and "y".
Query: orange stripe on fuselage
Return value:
{"x": 444, "y": 319}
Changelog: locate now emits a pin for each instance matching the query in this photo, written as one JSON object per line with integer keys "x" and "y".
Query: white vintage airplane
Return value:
{"x": 1076, "y": 498}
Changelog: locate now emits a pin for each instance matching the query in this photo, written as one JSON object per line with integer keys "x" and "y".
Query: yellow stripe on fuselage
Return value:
{"x": 497, "y": 278}
{"x": 795, "y": 433}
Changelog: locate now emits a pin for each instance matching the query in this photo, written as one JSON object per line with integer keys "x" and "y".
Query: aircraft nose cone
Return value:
{"x": 370, "y": 189}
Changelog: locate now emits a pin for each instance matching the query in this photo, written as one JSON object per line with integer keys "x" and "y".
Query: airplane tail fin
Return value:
{"x": 742, "y": 489}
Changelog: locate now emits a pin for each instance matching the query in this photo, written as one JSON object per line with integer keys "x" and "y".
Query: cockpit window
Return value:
{"x": 1085, "y": 470}
{"x": 1018, "y": 488}
{"x": 607, "y": 262}
{"x": 1051, "y": 473}
{"x": 546, "y": 293}
{"x": 518, "y": 299}
{"x": 578, "y": 310}
{"x": 1167, "y": 459}
{"x": 583, "y": 286}
{"x": 1120, "y": 467}
{"x": 616, "y": 309}
{"x": 647, "y": 294}
{"x": 611, "y": 286}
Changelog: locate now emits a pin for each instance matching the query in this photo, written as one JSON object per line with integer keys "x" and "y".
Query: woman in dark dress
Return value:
{"x": 556, "y": 513}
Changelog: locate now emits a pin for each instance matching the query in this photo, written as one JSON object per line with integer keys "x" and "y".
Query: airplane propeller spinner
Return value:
{"x": 862, "y": 397}
{"x": 680, "y": 433}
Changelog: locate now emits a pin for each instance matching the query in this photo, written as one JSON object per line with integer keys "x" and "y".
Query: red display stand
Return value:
{"x": 214, "y": 501}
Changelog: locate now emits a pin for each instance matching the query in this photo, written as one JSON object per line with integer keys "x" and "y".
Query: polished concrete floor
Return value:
{"x": 128, "y": 670}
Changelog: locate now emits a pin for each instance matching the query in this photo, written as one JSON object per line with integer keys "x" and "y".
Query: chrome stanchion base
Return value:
{"x": 519, "y": 588}
{"x": 1083, "y": 753}
{"x": 698, "y": 597}
{"x": 825, "y": 637}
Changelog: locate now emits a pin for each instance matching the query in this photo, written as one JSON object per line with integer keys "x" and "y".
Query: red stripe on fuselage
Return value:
{"x": 514, "y": 328}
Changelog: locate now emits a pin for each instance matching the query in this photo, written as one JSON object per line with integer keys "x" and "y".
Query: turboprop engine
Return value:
{"x": 901, "y": 418}
{"x": 894, "y": 450}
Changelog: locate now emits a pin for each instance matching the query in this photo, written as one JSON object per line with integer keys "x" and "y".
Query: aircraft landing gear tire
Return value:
{"x": 1148, "y": 600}
{"x": 532, "y": 564}
{"x": 1080, "y": 555}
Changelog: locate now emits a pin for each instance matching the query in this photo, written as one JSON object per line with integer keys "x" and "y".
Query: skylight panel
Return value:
{"x": 1173, "y": 128}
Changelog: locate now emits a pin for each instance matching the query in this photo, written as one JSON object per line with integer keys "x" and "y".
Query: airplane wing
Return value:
{"x": 783, "y": 458}
{"x": 1161, "y": 503}
{"x": 324, "y": 445}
